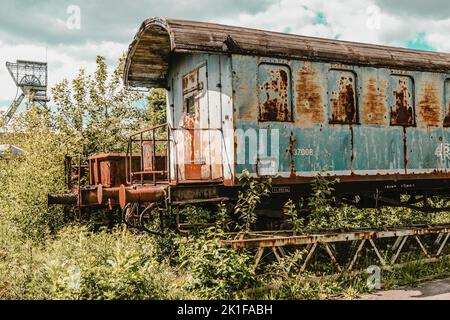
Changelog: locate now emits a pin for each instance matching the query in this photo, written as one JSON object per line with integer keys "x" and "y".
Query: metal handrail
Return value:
{"x": 169, "y": 139}
{"x": 129, "y": 165}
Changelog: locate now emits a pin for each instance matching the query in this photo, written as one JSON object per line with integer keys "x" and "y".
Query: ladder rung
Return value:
{"x": 149, "y": 172}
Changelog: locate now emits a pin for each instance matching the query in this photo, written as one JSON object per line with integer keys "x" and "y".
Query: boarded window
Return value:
{"x": 275, "y": 101}
{"x": 191, "y": 89}
{"x": 402, "y": 101}
{"x": 447, "y": 103}
{"x": 343, "y": 100}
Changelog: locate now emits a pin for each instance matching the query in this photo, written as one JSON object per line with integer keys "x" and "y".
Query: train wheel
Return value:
{"x": 130, "y": 215}
{"x": 148, "y": 217}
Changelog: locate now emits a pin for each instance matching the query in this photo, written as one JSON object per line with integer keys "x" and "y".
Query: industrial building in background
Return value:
{"x": 30, "y": 78}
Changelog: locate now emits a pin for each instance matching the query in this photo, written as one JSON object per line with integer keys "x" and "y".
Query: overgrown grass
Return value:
{"x": 80, "y": 264}
{"x": 42, "y": 257}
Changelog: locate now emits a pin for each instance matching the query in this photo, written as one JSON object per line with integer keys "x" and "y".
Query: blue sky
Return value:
{"x": 44, "y": 30}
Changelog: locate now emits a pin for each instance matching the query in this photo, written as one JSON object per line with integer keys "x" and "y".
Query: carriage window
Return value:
{"x": 191, "y": 90}
{"x": 402, "y": 101}
{"x": 447, "y": 103}
{"x": 274, "y": 92}
{"x": 343, "y": 100}
{"x": 189, "y": 105}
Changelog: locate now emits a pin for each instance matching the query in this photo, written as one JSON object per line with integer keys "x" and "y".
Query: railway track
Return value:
{"x": 345, "y": 248}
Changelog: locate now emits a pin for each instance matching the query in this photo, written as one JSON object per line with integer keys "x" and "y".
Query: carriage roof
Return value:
{"x": 149, "y": 54}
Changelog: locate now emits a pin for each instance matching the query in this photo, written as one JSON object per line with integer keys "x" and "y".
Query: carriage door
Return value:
{"x": 195, "y": 124}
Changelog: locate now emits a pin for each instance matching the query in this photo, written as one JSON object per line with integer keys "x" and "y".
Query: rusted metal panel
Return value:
{"x": 309, "y": 92}
{"x": 374, "y": 95}
{"x": 140, "y": 195}
{"x": 360, "y": 111}
{"x": 63, "y": 199}
{"x": 447, "y": 103}
{"x": 430, "y": 102}
{"x": 147, "y": 153}
{"x": 402, "y": 100}
{"x": 109, "y": 169}
{"x": 275, "y": 98}
{"x": 343, "y": 98}
{"x": 193, "y": 90}
{"x": 377, "y": 145}
{"x": 216, "y": 119}
{"x": 198, "y": 149}
{"x": 245, "y": 84}
{"x": 148, "y": 54}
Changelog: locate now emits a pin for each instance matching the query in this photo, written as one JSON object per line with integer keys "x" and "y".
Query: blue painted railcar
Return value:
{"x": 286, "y": 106}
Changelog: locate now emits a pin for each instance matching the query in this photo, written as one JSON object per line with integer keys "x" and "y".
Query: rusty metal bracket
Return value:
{"x": 276, "y": 241}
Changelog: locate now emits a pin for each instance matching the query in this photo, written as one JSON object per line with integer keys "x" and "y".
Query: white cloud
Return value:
{"x": 346, "y": 20}
{"x": 64, "y": 61}
{"x": 438, "y": 35}
{"x": 349, "y": 20}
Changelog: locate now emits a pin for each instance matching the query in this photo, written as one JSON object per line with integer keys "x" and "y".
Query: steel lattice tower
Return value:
{"x": 31, "y": 78}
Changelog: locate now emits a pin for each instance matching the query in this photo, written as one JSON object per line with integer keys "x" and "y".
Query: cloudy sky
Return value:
{"x": 49, "y": 30}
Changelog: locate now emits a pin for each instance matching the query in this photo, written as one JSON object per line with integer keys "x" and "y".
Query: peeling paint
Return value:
{"x": 374, "y": 108}
{"x": 309, "y": 101}
{"x": 430, "y": 105}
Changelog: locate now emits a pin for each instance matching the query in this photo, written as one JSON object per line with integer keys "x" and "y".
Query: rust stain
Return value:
{"x": 352, "y": 142}
{"x": 447, "y": 117}
{"x": 276, "y": 105}
{"x": 190, "y": 120}
{"x": 374, "y": 108}
{"x": 309, "y": 104}
{"x": 447, "y": 101}
{"x": 344, "y": 102}
{"x": 249, "y": 107}
{"x": 340, "y": 66}
{"x": 292, "y": 144}
{"x": 405, "y": 150}
{"x": 402, "y": 112}
{"x": 429, "y": 105}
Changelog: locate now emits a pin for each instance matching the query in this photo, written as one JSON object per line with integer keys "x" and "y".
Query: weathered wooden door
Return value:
{"x": 196, "y": 125}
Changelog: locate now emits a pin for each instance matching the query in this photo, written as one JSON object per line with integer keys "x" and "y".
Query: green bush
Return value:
{"x": 249, "y": 199}
{"x": 26, "y": 180}
{"x": 79, "y": 264}
{"x": 216, "y": 271}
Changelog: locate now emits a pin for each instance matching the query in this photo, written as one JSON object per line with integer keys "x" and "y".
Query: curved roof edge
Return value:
{"x": 146, "y": 63}
{"x": 148, "y": 55}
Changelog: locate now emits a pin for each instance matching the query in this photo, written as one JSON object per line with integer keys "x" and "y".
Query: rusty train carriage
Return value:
{"x": 373, "y": 115}
{"x": 377, "y": 117}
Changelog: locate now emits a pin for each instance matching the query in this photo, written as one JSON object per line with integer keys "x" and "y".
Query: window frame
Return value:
{"x": 192, "y": 93}
{"x": 413, "y": 98}
{"x": 446, "y": 103}
{"x": 289, "y": 91}
{"x": 356, "y": 96}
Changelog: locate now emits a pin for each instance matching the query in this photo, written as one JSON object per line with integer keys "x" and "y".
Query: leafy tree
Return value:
{"x": 95, "y": 112}
{"x": 26, "y": 180}
{"x": 156, "y": 107}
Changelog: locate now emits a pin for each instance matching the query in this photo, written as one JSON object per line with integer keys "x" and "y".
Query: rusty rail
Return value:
{"x": 279, "y": 241}
{"x": 358, "y": 238}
